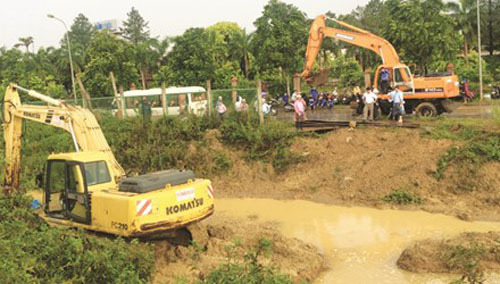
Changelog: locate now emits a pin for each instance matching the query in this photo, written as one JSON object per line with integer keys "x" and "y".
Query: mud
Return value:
{"x": 215, "y": 236}
{"x": 359, "y": 167}
{"x": 433, "y": 256}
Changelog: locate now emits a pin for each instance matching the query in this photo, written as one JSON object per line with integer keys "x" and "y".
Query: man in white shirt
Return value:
{"x": 369, "y": 98}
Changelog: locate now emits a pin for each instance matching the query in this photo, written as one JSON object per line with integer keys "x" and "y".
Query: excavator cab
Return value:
{"x": 69, "y": 180}
{"x": 400, "y": 75}
{"x": 66, "y": 191}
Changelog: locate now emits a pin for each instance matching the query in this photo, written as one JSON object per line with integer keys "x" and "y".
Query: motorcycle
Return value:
{"x": 495, "y": 92}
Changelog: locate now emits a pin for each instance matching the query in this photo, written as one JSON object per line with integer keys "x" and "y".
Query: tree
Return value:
{"x": 372, "y": 18}
{"x": 135, "y": 28}
{"x": 26, "y": 42}
{"x": 80, "y": 36}
{"x": 348, "y": 70}
{"x": 240, "y": 51}
{"x": 465, "y": 15}
{"x": 109, "y": 53}
{"x": 36, "y": 71}
{"x": 191, "y": 60}
{"x": 421, "y": 32}
{"x": 280, "y": 38}
{"x": 228, "y": 51}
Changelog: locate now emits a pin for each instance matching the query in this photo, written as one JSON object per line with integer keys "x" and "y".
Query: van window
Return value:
{"x": 197, "y": 97}
{"x": 182, "y": 101}
{"x": 173, "y": 100}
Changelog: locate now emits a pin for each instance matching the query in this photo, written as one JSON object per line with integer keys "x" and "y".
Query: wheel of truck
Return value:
{"x": 426, "y": 109}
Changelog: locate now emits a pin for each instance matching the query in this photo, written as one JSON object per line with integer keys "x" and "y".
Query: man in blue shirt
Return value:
{"x": 396, "y": 97}
{"x": 384, "y": 77}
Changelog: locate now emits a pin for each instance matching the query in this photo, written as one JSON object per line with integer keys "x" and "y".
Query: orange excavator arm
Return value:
{"x": 354, "y": 36}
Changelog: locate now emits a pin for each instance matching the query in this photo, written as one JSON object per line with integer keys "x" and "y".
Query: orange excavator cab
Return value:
{"x": 424, "y": 95}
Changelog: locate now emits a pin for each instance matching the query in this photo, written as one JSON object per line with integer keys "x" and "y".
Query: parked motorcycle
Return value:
{"x": 495, "y": 92}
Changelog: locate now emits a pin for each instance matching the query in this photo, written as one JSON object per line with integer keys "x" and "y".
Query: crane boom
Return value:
{"x": 79, "y": 122}
{"x": 354, "y": 36}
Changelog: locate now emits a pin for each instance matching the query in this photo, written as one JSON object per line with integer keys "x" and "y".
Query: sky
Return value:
{"x": 21, "y": 18}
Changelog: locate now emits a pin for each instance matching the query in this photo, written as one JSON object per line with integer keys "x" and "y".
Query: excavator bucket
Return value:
{"x": 318, "y": 79}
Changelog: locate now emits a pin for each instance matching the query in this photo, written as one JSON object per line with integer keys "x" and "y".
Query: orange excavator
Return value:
{"x": 427, "y": 96}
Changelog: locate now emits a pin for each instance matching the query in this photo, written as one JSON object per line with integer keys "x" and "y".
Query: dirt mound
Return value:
{"x": 222, "y": 239}
{"x": 359, "y": 167}
{"x": 453, "y": 255}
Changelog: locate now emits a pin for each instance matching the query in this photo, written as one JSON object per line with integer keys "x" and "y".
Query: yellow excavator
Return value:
{"x": 88, "y": 188}
{"x": 427, "y": 96}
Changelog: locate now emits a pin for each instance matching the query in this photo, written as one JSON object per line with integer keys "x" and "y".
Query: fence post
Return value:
{"x": 259, "y": 100}
{"x": 122, "y": 102}
{"x": 234, "y": 83}
{"x": 368, "y": 81}
{"x": 164, "y": 99}
{"x": 117, "y": 97}
{"x": 209, "y": 96}
{"x": 296, "y": 83}
{"x": 288, "y": 85}
{"x": 85, "y": 96}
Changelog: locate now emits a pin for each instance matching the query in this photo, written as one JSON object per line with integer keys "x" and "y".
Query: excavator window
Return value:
{"x": 56, "y": 185}
{"x": 66, "y": 194}
{"x": 97, "y": 173}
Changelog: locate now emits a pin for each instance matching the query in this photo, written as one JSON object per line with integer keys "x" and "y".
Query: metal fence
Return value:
{"x": 133, "y": 105}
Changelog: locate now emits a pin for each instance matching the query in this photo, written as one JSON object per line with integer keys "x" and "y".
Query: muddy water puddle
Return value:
{"x": 361, "y": 245}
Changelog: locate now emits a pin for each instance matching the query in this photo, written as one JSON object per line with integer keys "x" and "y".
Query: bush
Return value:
{"x": 401, "y": 197}
{"x": 33, "y": 252}
{"x": 143, "y": 146}
{"x": 249, "y": 270}
{"x": 269, "y": 142}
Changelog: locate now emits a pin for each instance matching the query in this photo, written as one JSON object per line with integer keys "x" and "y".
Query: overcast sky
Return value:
{"x": 21, "y": 18}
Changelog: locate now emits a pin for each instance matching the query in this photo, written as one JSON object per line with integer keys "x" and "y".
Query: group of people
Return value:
{"x": 241, "y": 105}
{"x": 369, "y": 101}
{"x": 315, "y": 99}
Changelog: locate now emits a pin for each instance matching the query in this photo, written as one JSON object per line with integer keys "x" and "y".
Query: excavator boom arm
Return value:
{"x": 80, "y": 123}
{"x": 354, "y": 36}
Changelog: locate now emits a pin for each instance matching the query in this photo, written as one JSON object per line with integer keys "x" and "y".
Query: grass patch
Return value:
{"x": 33, "y": 252}
{"x": 465, "y": 260}
{"x": 495, "y": 112}
{"x": 248, "y": 268}
{"x": 478, "y": 144}
{"x": 402, "y": 197}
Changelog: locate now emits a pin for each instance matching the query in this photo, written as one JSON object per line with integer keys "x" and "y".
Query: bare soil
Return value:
{"x": 432, "y": 256}
{"x": 360, "y": 166}
{"x": 217, "y": 234}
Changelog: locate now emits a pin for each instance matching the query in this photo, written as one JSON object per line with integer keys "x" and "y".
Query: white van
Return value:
{"x": 179, "y": 100}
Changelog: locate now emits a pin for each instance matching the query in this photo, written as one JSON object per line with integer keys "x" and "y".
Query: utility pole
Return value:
{"x": 69, "y": 52}
{"x": 481, "y": 95}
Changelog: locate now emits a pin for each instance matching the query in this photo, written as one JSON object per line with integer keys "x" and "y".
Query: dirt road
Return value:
{"x": 344, "y": 112}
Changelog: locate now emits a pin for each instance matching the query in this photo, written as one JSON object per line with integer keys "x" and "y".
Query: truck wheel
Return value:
{"x": 426, "y": 109}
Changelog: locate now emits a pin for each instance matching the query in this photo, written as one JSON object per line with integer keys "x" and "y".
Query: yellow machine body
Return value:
{"x": 81, "y": 189}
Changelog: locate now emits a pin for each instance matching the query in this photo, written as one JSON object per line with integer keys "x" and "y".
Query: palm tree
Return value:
{"x": 240, "y": 49}
{"x": 25, "y": 41}
{"x": 464, "y": 12}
